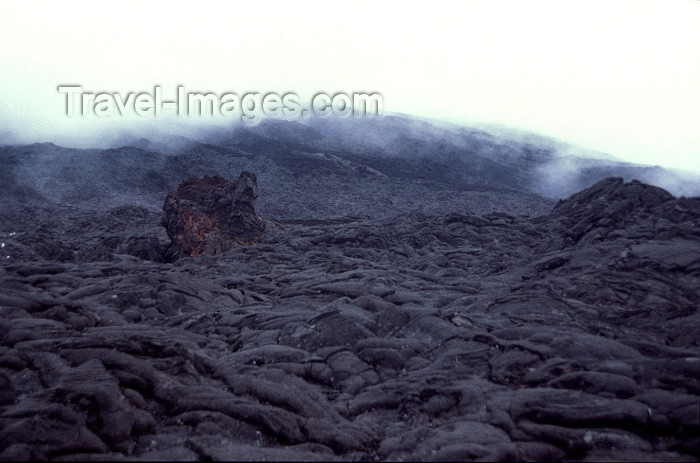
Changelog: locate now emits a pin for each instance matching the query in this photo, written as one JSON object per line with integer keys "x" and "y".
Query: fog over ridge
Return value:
{"x": 545, "y": 165}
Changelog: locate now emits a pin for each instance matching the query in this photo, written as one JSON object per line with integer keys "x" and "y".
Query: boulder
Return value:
{"x": 209, "y": 215}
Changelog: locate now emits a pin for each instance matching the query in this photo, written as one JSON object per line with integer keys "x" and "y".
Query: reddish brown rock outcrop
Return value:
{"x": 209, "y": 215}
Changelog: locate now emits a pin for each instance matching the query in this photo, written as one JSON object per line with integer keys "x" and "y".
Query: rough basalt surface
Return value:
{"x": 382, "y": 319}
{"x": 210, "y": 215}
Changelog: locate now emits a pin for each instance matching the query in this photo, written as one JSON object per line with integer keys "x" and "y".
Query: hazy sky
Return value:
{"x": 618, "y": 76}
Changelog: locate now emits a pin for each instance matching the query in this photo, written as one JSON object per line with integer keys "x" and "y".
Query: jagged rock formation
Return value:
{"x": 209, "y": 215}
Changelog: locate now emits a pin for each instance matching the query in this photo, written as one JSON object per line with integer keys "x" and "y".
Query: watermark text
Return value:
{"x": 248, "y": 107}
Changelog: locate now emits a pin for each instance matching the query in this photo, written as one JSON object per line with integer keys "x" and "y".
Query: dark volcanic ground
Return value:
{"x": 390, "y": 317}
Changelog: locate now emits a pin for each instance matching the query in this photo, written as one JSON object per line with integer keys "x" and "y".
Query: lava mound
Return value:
{"x": 613, "y": 198}
{"x": 613, "y": 208}
{"x": 209, "y": 215}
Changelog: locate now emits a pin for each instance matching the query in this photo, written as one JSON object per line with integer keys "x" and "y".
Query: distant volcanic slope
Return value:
{"x": 209, "y": 215}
